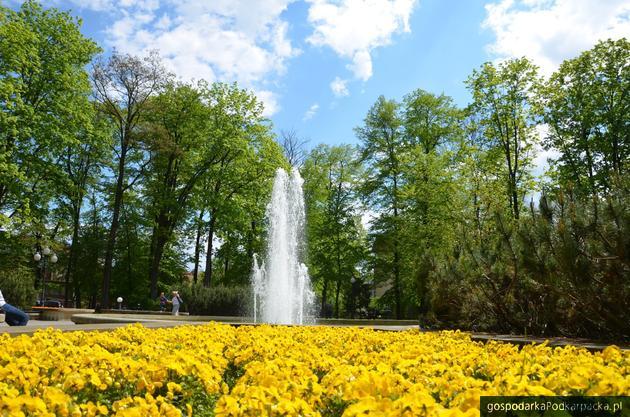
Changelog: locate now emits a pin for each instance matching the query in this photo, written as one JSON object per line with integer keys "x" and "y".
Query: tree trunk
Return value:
{"x": 113, "y": 230}
{"x": 207, "y": 277}
{"x": 397, "y": 281}
{"x": 515, "y": 200}
{"x": 226, "y": 263}
{"x": 324, "y": 295}
{"x": 129, "y": 260}
{"x": 162, "y": 232}
{"x": 155, "y": 265}
{"x": 77, "y": 293}
{"x": 337, "y": 291}
{"x": 396, "y": 265}
{"x": 250, "y": 240}
{"x": 198, "y": 245}
{"x": 338, "y": 250}
{"x": 72, "y": 256}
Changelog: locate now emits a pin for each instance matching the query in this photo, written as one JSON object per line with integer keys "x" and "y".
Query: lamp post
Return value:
{"x": 47, "y": 256}
{"x": 353, "y": 297}
{"x": 119, "y": 300}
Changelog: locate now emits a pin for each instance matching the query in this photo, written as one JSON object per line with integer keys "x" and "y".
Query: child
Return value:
{"x": 163, "y": 301}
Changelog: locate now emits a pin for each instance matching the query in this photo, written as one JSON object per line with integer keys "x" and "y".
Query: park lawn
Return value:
{"x": 265, "y": 370}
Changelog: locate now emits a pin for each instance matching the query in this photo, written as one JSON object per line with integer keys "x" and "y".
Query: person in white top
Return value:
{"x": 12, "y": 315}
{"x": 176, "y": 301}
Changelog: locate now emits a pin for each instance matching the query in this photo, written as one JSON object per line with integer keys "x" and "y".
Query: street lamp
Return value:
{"x": 353, "y": 297}
{"x": 119, "y": 300}
{"x": 52, "y": 258}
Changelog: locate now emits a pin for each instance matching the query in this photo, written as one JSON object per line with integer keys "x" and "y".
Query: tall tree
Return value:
{"x": 433, "y": 131}
{"x": 336, "y": 238}
{"x": 587, "y": 108}
{"x": 235, "y": 121}
{"x": 44, "y": 91}
{"x": 122, "y": 86}
{"x": 502, "y": 98}
{"x": 294, "y": 147}
{"x": 79, "y": 167}
{"x": 245, "y": 201}
{"x": 382, "y": 146}
{"x": 180, "y": 156}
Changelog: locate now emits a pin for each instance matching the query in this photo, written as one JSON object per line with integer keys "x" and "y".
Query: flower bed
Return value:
{"x": 265, "y": 370}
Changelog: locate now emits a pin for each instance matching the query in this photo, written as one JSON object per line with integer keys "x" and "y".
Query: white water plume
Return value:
{"x": 281, "y": 285}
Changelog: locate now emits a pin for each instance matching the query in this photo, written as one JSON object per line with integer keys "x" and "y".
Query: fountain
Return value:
{"x": 281, "y": 285}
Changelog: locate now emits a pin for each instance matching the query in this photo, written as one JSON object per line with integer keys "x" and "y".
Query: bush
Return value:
{"x": 17, "y": 285}
{"x": 218, "y": 300}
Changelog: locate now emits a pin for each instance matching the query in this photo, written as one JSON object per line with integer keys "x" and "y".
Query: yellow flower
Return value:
{"x": 278, "y": 370}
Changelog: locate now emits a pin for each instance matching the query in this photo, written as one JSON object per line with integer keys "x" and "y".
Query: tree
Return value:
{"x": 237, "y": 124}
{"x": 293, "y": 147}
{"x": 180, "y": 155}
{"x": 502, "y": 99}
{"x": 90, "y": 252}
{"x": 336, "y": 238}
{"x": 244, "y": 206}
{"x": 433, "y": 133}
{"x": 78, "y": 169}
{"x": 586, "y": 107}
{"x": 382, "y": 145}
{"x": 44, "y": 92}
{"x": 122, "y": 87}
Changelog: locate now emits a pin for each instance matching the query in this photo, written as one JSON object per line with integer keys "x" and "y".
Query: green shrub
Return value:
{"x": 218, "y": 300}
{"x": 17, "y": 286}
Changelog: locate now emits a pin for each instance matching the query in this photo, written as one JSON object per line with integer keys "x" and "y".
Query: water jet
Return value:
{"x": 281, "y": 285}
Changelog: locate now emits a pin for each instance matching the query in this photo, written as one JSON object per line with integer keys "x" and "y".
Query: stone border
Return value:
{"x": 551, "y": 341}
{"x": 113, "y": 316}
{"x": 59, "y": 313}
{"x": 153, "y": 312}
{"x": 149, "y": 318}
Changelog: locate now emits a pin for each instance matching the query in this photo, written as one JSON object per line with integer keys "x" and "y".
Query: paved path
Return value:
{"x": 69, "y": 326}
{"x": 35, "y": 324}
{"x": 166, "y": 322}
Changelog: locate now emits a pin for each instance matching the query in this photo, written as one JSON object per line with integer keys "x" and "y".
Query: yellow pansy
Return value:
{"x": 277, "y": 370}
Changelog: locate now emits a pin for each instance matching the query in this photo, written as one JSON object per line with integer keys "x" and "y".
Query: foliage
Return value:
{"x": 217, "y": 300}
{"x": 44, "y": 92}
{"x": 336, "y": 239}
{"x": 17, "y": 286}
{"x": 123, "y": 87}
{"x": 503, "y": 99}
{"x": 383, "y": 143}
{"x": 586, "y": 109}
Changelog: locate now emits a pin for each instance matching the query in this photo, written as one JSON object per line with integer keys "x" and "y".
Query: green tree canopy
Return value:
{"x": 44, "y": 90}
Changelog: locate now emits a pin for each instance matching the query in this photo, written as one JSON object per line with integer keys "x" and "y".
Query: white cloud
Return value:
{"x": 269, "y": 100}
{"x": 354, "y": 28}
{"x": 111, "y": 5}
{"x": 550, "y": 31}
{"x": 310, "y": 113}
{"x": 219, "y": 40}
{"x": 339, "y": 87}
{"x": 95, "y": 5}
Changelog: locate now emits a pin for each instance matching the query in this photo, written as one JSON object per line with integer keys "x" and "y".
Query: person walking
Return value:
{"x": 176, "y": 301}
{"x": 163, "y": 302}
{"x": 12, "y": 315}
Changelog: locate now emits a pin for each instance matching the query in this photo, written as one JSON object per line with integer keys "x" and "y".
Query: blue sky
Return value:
{"x": 318, "y": 65}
